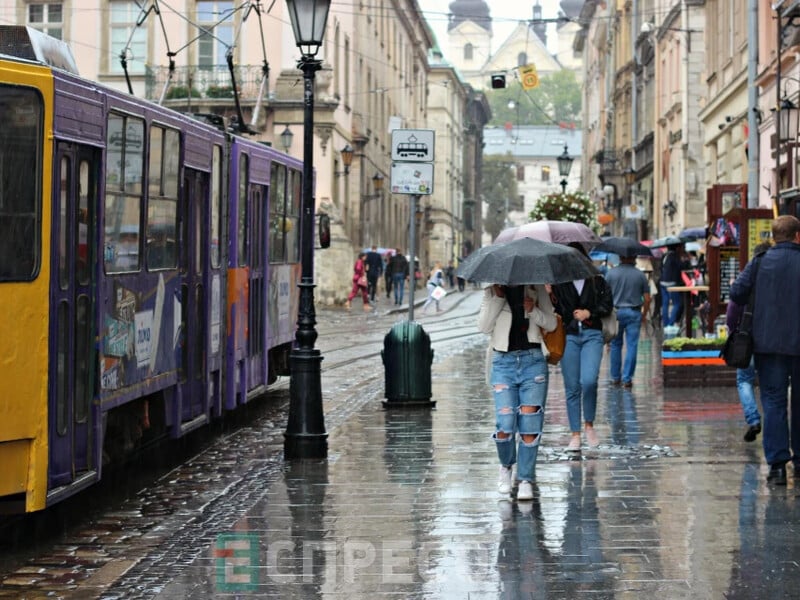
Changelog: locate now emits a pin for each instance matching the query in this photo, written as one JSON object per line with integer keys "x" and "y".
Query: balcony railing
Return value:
{"x": 210, "y": 83}
{"x": 608, "y": 160}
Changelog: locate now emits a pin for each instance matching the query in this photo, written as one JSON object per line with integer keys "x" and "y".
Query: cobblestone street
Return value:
{"x": 672, "y": 503}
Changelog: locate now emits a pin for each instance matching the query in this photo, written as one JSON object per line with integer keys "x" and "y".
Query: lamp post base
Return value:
{"x": 305, "y": 435}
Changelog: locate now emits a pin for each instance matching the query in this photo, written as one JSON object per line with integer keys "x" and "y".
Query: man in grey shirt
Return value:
{"x": 632, "y": 300}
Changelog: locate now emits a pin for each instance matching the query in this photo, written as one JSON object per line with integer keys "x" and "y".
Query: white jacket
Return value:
{"x": 495, "y": 317}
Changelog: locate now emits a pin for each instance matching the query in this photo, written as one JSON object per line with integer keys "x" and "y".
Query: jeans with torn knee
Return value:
{"x": 519, "y": 384}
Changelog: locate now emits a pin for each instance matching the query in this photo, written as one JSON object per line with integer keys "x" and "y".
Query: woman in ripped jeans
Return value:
{"x": 512, "y": 315}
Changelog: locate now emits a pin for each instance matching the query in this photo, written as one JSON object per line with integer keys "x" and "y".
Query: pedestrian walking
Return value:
{"x": 581, "y": 305}
{"x": 359, "y": 282}
{"x": 387, "y": 273}
{"x": 374, "y": 271}
{"x": 746, "y": 378}
{"x": 671, "y": 266}
{"x": 450, "y": 274}
{"x": 775, "y": 277}
{"x": 631, "y": 293}
{"x": 399, "y": 267}
{"x": 435, "y": 279}
{"x": 512, "y": 315}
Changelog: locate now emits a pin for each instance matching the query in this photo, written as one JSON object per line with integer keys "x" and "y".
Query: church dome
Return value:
{"x": 476, "y": 11}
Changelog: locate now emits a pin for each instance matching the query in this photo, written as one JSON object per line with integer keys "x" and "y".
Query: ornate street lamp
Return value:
{"x": 286, "y": 139}
{"x": 564, "y": 167}
{"x": 347, "y": 160}
{"x": 305, "y": 435}
{"x": 377, "y": 182}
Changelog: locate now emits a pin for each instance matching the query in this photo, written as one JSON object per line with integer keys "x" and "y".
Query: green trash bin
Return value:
{"x": 407, "y": 357}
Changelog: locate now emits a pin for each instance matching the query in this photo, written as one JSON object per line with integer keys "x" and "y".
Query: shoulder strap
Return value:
{"x": 746, "y": 324}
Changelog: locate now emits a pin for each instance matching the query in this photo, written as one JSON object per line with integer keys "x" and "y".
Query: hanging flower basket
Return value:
{"x": 575, "y": 207}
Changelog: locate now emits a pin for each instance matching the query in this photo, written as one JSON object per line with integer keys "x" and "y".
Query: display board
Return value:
{"x": 727, "y": 256}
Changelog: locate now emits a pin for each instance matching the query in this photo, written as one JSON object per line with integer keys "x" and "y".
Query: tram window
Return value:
{"x": 123, "y": 205}
{"x": 277, "y": 214}
{"x": 121, "y": 247}
{"x": 162, "y": 206}
{"x": 295, "y": 191}
{"x": 63, "y": 224}
{"x": 84, "y": 264}
{"x": 216, "y": 208}
{"x": 20, "y": 177}
{"x": 242, "y": 208}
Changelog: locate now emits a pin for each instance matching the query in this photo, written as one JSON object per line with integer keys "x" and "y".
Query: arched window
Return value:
{"x": 522, "y": 59}
{"x": 468, "y": 51}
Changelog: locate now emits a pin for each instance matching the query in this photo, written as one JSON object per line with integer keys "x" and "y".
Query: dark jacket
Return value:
{"x": 399, "y": 265}
{"x": 596, "y": 296}
{"x": 776, "y": 328}
{"x": 671, "y": 269}
{"x": 374, "y": 265}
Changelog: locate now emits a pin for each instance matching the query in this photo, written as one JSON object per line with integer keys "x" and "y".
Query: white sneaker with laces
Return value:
{"x": 504, "y": 480}
{"x": 525, "y": 491}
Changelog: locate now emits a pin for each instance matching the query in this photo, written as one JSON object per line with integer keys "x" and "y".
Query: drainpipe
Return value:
{"x": 753, "y": 149}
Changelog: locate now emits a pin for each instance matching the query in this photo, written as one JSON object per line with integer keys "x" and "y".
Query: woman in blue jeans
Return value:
{"x": 513, "y": 316}
{"x": 581, "y": 305}
{"x": 746, "y": 378}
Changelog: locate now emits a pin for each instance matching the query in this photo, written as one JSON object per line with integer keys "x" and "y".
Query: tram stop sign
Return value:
{"x": 412, "y": 161}
{"x": 412, "y": 145}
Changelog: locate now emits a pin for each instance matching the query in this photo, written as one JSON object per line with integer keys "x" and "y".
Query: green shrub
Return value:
{"x": 181, "y": 91}
{"x": 219, "y": 91}
{"x": 677, "y": 344}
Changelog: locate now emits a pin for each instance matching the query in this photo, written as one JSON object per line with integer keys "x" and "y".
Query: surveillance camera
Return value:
{"x": 647, "y": 27}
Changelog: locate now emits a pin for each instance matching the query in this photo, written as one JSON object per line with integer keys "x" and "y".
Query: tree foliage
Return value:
{"x": 499, "y": 191}
{"x": 557, "y": 100}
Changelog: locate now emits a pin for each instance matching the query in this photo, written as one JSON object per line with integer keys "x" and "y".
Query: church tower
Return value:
{"x": 469, "y": 37}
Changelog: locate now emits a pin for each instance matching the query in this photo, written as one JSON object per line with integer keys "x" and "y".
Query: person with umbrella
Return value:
{"x": 513, "y": 311}
{"x": 581, "y": 304}
{"x": 631, "y": 292}
{"x": 513, "y": 316}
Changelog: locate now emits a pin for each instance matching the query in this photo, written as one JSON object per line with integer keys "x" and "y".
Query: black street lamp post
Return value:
{"x": 564, "y": 167}
{"x": 305, "y": 435}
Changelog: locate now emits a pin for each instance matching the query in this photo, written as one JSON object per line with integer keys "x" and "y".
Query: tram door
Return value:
{"x": 257, "y": 311}
{"x": 73, "y": 251}
{"x": 194, "y": 307}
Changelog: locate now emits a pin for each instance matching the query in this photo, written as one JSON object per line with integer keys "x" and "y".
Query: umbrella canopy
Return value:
{"x": 624, "y": 246}
{"x": 670, "y": 240}
{"x": 526, "y": 261}
{"x": 694, "y": 233}
{"x": 558, "y": 232}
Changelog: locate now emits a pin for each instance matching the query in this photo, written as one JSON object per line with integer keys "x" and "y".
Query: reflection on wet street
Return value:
{"x": 672, "y": 504}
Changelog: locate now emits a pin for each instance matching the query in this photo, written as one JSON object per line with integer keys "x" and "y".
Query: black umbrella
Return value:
{"x": 694, "y": 233}
{"x": 623, "y": 246}
{"x": 526, "y": 261}
{"x": 670, "y": 240}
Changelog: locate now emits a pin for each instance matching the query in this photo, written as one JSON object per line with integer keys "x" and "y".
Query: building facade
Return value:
{"x": 239, "y": 63}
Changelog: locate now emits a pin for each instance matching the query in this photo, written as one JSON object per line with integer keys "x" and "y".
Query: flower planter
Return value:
{"x": 695, "y": 365}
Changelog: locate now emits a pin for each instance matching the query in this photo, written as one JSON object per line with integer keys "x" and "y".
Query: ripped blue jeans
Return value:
{"x": 519, "y": 384}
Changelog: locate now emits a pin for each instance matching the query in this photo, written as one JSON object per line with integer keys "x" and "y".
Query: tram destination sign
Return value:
{"x": 412, "y": 145}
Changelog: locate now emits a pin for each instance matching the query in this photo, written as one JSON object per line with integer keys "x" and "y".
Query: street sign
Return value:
{"x": 412, "y": 178}
{"x": 412, "y": 145}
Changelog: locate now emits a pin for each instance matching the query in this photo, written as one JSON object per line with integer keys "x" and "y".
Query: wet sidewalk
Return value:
{"x": 672, "y": 504}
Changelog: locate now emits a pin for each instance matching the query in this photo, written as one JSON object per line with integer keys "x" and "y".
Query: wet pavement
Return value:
{"x": 672, "y": 503}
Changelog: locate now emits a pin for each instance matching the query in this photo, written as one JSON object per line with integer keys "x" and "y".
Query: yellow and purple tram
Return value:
{"x": 148, "y": 269}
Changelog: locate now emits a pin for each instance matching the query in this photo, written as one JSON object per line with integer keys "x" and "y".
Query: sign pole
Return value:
{"x": 412, "y": 250}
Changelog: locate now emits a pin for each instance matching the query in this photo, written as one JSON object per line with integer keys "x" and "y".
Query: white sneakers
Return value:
{"x": 574, "y": 444}
{"x": 525, "y": 491}
{"x": 591, "y": 437}
{"x": 504, "y": 480}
